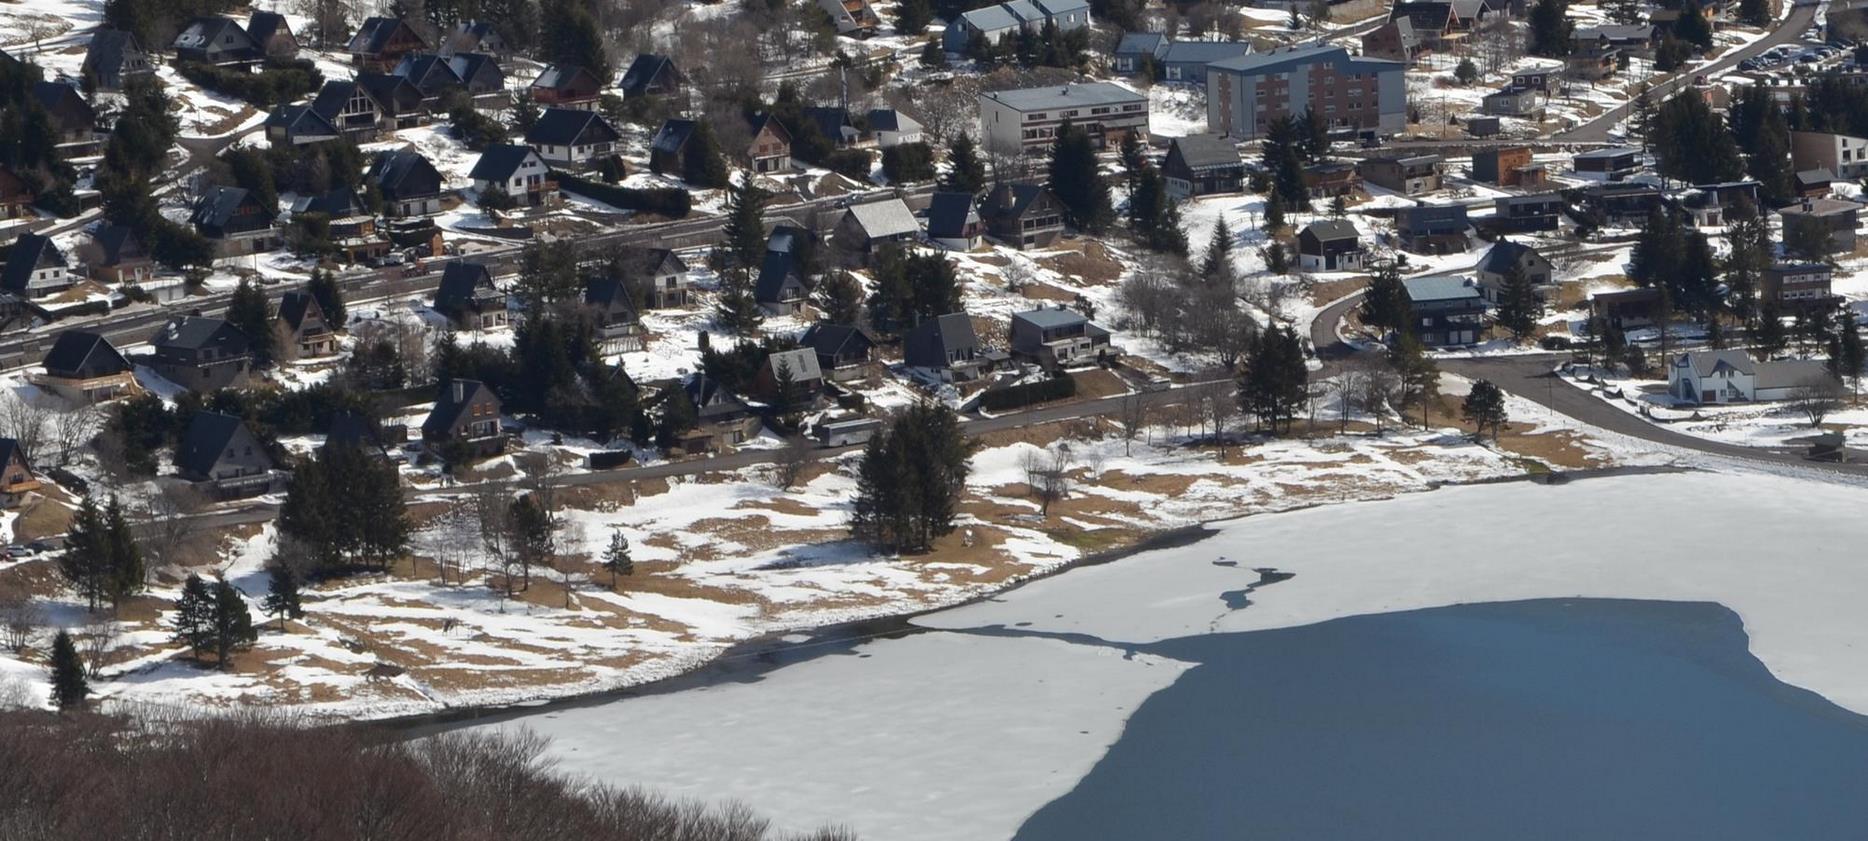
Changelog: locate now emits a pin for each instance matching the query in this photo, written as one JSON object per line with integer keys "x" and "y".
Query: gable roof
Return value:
{"x": 673, "y": 135}
{"x": 1142, "y": 43}
{"x": 471, "y": 66}
{"x": 1014, "y": 199}
{"x": 802, "y": 361}
{"x": 564, "y": 75}
{"x": 263, "y": 25}
{"x": 1204, "y": 52}
{"x": 500, "y": 161}
{"x": 332, "y": 97}
{"x": 1204, "y": 150}
{"x": 886, "y": 218}
{"x": 777, "y": 271}
{"x": 611, "y": 293}
{"x": 429, "y": 72}
{"x": 989, "y": 18}
{"x": 302, "y": 121}
{"x": 202, "y": 32}
{"x": 1819, "y": 175}
{"x": 207, "y": 437}
{"x": 391, "y": 93}
{"x": 1503, "y": 255}
{"x": 75, "y": 349}
{"x": 459, "y": 281}
{"x": 569, "y": 127}
{"x": 1705, "y": 362}
{"x": 28, "y": 253}
{"x": 827, "y": 339}
{"x": 1439, "y": 289}
{"x": 949, "y": 213}
{"x": 109, "y": 48}
{"x": 116, "y": 243}
{"x": 392, "y": 170}
{"x": 375, "y": 33}
{"x": 337, "y": 203}
{"x": 760, "y": 121}
{"x": 928, "y": 344}
{"x": 891, "y": 119}
{"x": 192, "y": 332}
{"x": 1331, "y": 230}
{"x": 217, "y": 206}
{"x": 447, "y": 411}
{"x": 643, "y": 72}
{"x": 295, "y": 305}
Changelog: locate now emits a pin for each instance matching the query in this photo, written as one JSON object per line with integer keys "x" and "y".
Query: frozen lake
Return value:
{"x": 1158, "y": 691}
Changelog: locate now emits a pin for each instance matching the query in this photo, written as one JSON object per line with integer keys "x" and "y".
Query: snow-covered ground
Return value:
{"x": 958, "y": 734}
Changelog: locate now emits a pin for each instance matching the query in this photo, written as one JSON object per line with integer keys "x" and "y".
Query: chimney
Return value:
{"x": 460, "y": 391}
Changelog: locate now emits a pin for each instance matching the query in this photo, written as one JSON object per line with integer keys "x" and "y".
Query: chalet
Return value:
{"x": 1201, "y": 165}
{"x": 668, "y": 148}
{"x": 213, "y": 39}
{"x": 1813, "y": 183}
{"x": 1840, "y": 218}
{"x": 380, "y": 43}
{"x": 1532, "y": 80}
{"x": 16, "y": 476}
{"x": 1592, "y": 61}
{"x": 479, "y": 74}
{"x": 201, "y": 354}
{"x": 291, "y": 126}
{"x": 466, "y": 417}
{"x": 1432, "y": 229}
{"x": 953, "y": 221}
{"x": 1627, "y": 308}
{"x": 1794, "y": 286}
{"x": 476, "y": 36}
{"x": 35, "y": 268}
{"x": 1330, "y": 245}
{"x": 570, "y": 137}
{"x": 660, "y": 271}
{"x": 468, "y": 297}
{"x": 1613, "y": 163}
{"x": 1023, "y": 215}
{"x": 946, "y": 349}
{"x": 868, "y": 226}
{"x": 1139, "y": 53}
{"x": 853, "y": 18}
{"x": 352, "y": 227}
{"x": 835, "y": 124}
{"x": 429, "y": 73}
{"x": 516, "y": 170}
{"x": 770, "y": 147}
{"x": 1395, "y": 40}
{"x": 1409, "y": 175}
{"x": 1632, "y": 39}
{"x": 73, "y": 121}
{"x": 1732, "y": 376}
{"x": 1447, "y": 311}
{"x": 272, "y": 35}
{"x": 219, "y": 453}
{"x": 722, "y": 419}
{"x": 1439, "y": 22}
{"x": 889, "y": 127}
{"x": 236, "y": 221}
{"x": 780, "y": 289}
{"x": 1535, "y": 212}
{"x": 114, "y": 57}
{"x": 1505, "y": 166}
{"x": 301, "y": 329}
{"x": 1621, "y": 203}
{"x": 1332, "y": 178}
{"x": 1506, "y": 256}
{"x": 843, "y": 351}
{"x": 790, "y": 379}
{"x": 16, "y": 196}
{"x": 1711, "y": 205}
{"x": 567, "y": 86}
{"x": 651, "y": 75}
{"x": 113, "y": 253}
{"x": 410, "y": 185}
{"x": 1057, "y": 338}
{"x": 84, "y": 367}
{"x": 398, "y": 102}
{"x": 1512, "y": 101}
{"x": 612, "y": 310}
{"x": 348, "y": 108}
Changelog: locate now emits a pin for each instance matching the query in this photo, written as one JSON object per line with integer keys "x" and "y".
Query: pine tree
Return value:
{"x": 744, "y": 229}
{"x": 1467, "y": 72}
{"x": 1274, "y": 212}
{"x": 965, "y": 172}
{"x": 1847, "y": 354}
{"x": 125, "y": 557}
{"x": 1658, "y": 251}
{"x": 1550, "y": 30}
{"x": 616, "y": 558}
{"x": 1692, "y": 26}
{"x": 1385, "y": 304}
{"x": 702, "y": 164}
{"x": 232, "y": 625}
{"x": 1276, "y": 262}
{"x": 1339, "y": 206}
{"x": 1518, "y": 305}
{"x": 1754, "y": 12}
{"x": 1769, "y": 335}
{"x": 323, "y": 288}
{"x": 281, "y": 594}
{"x": 69, "y": 687}
{"x": 913, "y": 16}
{"x": 840, "y": 298}
{"x": 1075, "y": 181}
{"x": 1748, "y": 254}
{"x": 194, "y": 615}
{"x": 1275, "y": 382}
{"x": 250, "y": 313}
{"x": 737, "y": 307}
{"x": 1216, "y": 267}
{"x": 85, "y": 563}
{"x": 910, "y": 479}
{"x": 1484, "y": 408}
{"x": 1419, "y": 374}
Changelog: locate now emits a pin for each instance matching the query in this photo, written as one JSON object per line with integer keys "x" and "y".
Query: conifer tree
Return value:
{"x": 1754, "y": 12}
{"x": 1275, "y": 382}
{"x": 1518, "y": 305}
{"x": 1769, "y": 334}
{"x": 126, "y": 558}
{"x": 965, "y": 172}
{"x": 616, "y": 558}
{"x": 1274, "y": 211}
{"x": 1339, "y": 206}
{"x": 324, "y": 289}
{"x": 1419, "y": 374}
{"x": 69, "y": 687}
{"x": 85, "y": 562}
{"x": 737, "y": 307}
{"x": 250, "y": 313}
{"x": 1216, "y": 266}
{"x": 702, "y": 163}
{"x": 1277, "y": 261}
{"x": 1075, "y": 181}
{"x": 1691, "y": 26}
{"x": 232, "y": 627}
{"x": 840, "y": 298}
{"x": 1384, "y": 304}
{"x": 1846, "y": 354}
{"x": 1484, "y": 408}
{"x": 910, "y": 479}
{"x": 281, "y": 593}
{"x": 913, "y": 16}
{"x": 1550, "y": 30}
{"x": 194, "y": 615}
{"x": 744, "y": 229}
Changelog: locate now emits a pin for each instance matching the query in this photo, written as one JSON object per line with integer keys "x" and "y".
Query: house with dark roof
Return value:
{"x": 397, "y": 100}
{"x": 236, "y": 221}
{"x": 888, "y": 127}
{"x": 1622, "y": 203}
{"x": 1023, "y": 215}
{"x": 660, "y": 272}
{"x": 843, "y": 351}
{"x": 201, "y": 354}
{"x": 1813, "y": 183}
{"x": 612, "y": 309}
{"x": 16, "y": 476}
{"x": 570, "y": 137}
{"x": 868, "y": 226}
{"x": 465, "y": 419}
{"x": 1328, "y": 179}
{"x": 72, "y": 118}
{"x": 35, "y": 268}
{"x": 480, "y": 74}
{"x": 1837, "y": 217}
{"x": 722, "y": 418}
{"x": 1732, "y": 376}
{"x": 113, "y": 57}
{"x": 1503, "y": 257}
{"x": 1438, "y": 22}
{"x": 780, "y": 289}
{"x": 567, "y": 86}
{"x": 301, "y": 328}
{"x": 1432, "y": 229}
{"x": 84, "y": 367}
{"x": 299, "y": 125}
{"x": 954, "y": 222}
{"x": 1136, "y": 53}
{"x": 273, "y": 35}
{"x": 411, "y": 186}
{"x": 1394, "y": 41}
{"x": 518, "y": 171}
{"x": 770, "y": 147}
{"x": 1330, "y": 245}
{"x": 1201, "y": 165}
{"x": 1534, "y": 212}
{"x": 789, "y": 380}
{"x": 668, "y": 149}
{"x": 476, "y": 36}
{"x": 352, "y": 227}
{"x": 348, "y": 108}
{"x": 380, "y": 43}
{"x": 834, "y": 124}
{"x": 113, "y": 253}
{"x": 1054, "y": 337}
{"x": 1447, "y": 311}
{"x": 222, "y": 456}
{"x": 16, "y": 196}
{"x": 946, "y": 349}
{"x": 1409, "y": 175}
{"x": 651, "y": 75}
{"x": 1613, "y": 162}
{"x": 429, "y": 73}
{"x": 1186, "y": 61}
{"x": 1626, "y": 309}
{"x": 469, "y": 298}
{"x": 216, "y": 39}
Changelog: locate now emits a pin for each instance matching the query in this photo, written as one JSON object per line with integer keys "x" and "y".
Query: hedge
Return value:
{"x": 668, "y": 202}
{"x": 1020, "y": 396}
{"x": 274, "y": 83}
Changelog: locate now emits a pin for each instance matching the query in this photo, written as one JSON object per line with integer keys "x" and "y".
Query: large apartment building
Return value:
{"x": 1844, "y": 156}
{"x": 1243, "y": 95}
{"x": 1029, "y": 118}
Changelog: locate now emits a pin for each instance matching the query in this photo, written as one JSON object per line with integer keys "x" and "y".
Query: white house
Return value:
{"x": 570, "y": 136}
{"x": 1731, "y": 376}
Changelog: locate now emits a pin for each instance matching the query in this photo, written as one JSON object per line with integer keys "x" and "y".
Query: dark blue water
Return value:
{"x": 1551, "y": 719}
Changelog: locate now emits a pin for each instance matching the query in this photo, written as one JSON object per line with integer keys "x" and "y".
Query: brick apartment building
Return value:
{"x": 1243, "y": 95}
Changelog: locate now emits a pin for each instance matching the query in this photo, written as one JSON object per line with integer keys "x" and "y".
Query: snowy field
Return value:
{"x": 962, "y": 734}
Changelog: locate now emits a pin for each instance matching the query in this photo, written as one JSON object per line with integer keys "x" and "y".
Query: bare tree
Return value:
{"x": 168, "y": 522}
{"x": 1047, "y": 474}
{"x": 450, "y": 540}
{"x": 20, "y": 619}
{"x": 95, "y": 641}
{"x": 568, "y": 566}
{"x": 543, "y": 473}
{"x": 1381, "y": 389}
{"x": 1219, "y": 402}
{"x": 945, "y": 110}
{"x": 72, "y": 426}
{"x": 792, "y": 459}
{"x": 493, "y": 515}
{"x": 1816, "y": 398}
{"x": 1132, "y": 417}
{"x": 26, "y": 422}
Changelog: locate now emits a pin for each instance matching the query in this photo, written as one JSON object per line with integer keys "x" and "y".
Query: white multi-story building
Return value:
{"x": 1030, "y": 117}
